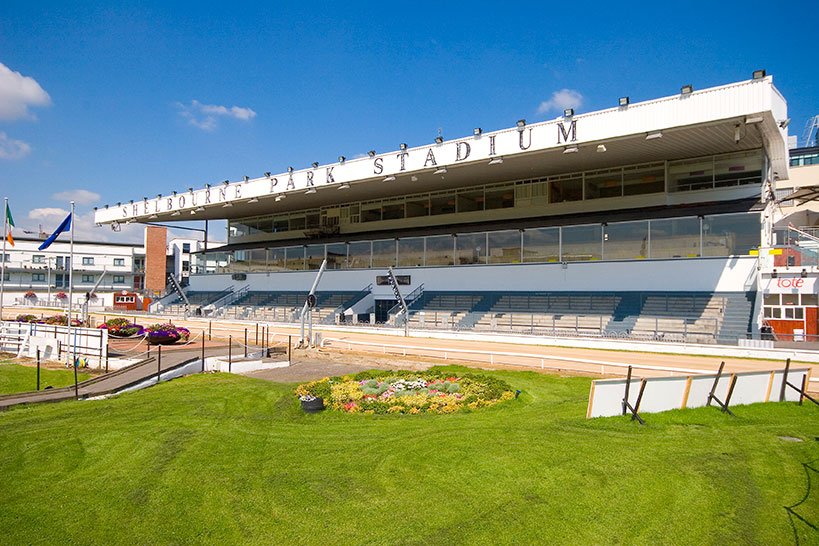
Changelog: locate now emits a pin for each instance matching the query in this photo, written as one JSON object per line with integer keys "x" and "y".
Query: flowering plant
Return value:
{"x": 166, "y": 333}
{"x": 61, "y": 295}
{"x": 30, "y": 295}
{"x": 407, "y": 392}
{"x": 61, "y": 320}
{"x": 121, "y": 327}
{"x": 27, "y": 318}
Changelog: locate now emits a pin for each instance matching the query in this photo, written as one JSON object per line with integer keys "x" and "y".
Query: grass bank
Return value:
{"x": 15, "y": 378}
{"x": 227, "y": 459}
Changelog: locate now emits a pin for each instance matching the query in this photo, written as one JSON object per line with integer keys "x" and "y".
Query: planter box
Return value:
{"x": 312, "y": 406}
{"x": 162, "y": 340}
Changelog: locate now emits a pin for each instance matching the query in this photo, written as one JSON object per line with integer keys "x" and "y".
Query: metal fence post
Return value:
{"x": 38, "y": 369}
{"x": 203, "y": 351}
{"x": 158, "y": 363}
{"x": 230, "y": 354}
{"x": 245, "y": 342}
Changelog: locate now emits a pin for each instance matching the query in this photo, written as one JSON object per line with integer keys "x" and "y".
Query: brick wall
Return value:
{"x": 155, "y": 244}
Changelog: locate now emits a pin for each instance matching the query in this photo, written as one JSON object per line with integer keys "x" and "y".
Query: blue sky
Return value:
{"x": 107, "y": 103}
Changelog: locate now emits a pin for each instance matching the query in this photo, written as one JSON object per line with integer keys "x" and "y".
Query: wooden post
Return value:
{"x": 784, "y": 380}
{"x": 245, "y": 342}
{"x": 801, "y": 394}
{"x": 289, "y": 347}
{"x": 257, "y": 334}
{"x": 230, "y": 354}
{"x": 38, "y": 369}
{"x": 158, "y": 363}
{"x": 210, "y": 330}
{"x": 203, "y": 351}
{"x": 628, "y": 383}
{"x": 76, "y": 385}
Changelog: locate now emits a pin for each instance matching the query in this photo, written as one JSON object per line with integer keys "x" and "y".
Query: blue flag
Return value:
{"x": 65, "y": 226}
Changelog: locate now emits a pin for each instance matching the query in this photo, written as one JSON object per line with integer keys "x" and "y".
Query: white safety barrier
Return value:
{"x": 679, "y": 392}
{"x": 24, "y": 338}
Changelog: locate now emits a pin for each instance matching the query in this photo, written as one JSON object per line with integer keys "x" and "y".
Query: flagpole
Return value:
{"x": 3, "y": 273}
{"x": 71, "y": 286}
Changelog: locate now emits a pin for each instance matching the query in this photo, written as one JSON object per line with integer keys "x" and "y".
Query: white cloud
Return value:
{"x": 82, "y": 197}
{"x": 11, "y": 148}
{"x": 206, "y": 116}
{"x": 47, "y": 212}
{"x": 18, "y": 93}
{"x": 561, "y": 100}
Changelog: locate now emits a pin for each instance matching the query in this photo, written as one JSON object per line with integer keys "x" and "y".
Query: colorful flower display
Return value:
{"x": 166, "y": 334}
{"x": 59, "y": 320}
{"x": 407, "y": 392}
{"x": 122, "y": 327}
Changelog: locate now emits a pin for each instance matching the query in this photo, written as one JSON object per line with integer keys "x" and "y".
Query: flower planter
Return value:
{"x": 312, "y": 406}
{"x": 162, "y": 340}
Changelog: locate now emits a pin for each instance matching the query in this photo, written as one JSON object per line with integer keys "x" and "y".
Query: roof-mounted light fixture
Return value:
{"x": 344, "y": 186}
{"x": 267, "y": 174}
{"x": 189, "y": 189}
{"x": 226, "y": 182}
{"x": 686, "y": 89}
{"x": 389, "y": 178}
{"x": 439, "y": 139}
{"x": 571, "y": 150}
{"x": 521, "y": 124}
{"x": 290, "y": 169}
{"x": 403, "y": 146}
{"x": 175, "y": 213}
{"x": 414, "y": 178}
{"x": 253, "y": 200}
{"x": 477, "y": 131}
{"x": 568, "y": 112}
{"x": 440, "y": 170}
{"x": 655, "y": 134}
{"x": 753, "y": 119}
{"x": 341, "y": 159}
{"x": 601, "y": 148}
{"x": 315, "y": 164}
{"x": 246, "y": 178}
{"x": 310, "y": 190}
{"x": 200, "y": 209}
{"x": 759, "y": 74}
{"x": 784, "y": 123}
{"x": 174, "y": 194}
{"x": 623, "y": 102}
{"x": 153, "y": 217}
{"x": 227, "y": 205}
{"x": 371, "y": 153}
{"x": 496, "y": 160}
{"x": 280, "y": 197}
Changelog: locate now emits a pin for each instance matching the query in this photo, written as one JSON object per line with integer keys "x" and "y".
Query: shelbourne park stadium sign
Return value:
{"x": 406, "y": 161}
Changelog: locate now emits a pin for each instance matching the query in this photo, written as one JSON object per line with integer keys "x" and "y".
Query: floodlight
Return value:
{"x": 759, "y": 74}
{"x": 687, "y": 89}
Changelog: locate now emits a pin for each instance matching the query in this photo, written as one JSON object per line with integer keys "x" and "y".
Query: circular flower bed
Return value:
{"x": 121, "y": 327}
{"x": 407, "y": 392}
{"x": 166, "y": 334}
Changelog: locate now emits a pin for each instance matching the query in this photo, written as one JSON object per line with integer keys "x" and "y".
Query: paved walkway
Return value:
{"x": 114, "y": 381}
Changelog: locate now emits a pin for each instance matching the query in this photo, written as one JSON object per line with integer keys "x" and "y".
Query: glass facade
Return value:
{"x": 684, "y": 237}
{"x": 703, "y": 173}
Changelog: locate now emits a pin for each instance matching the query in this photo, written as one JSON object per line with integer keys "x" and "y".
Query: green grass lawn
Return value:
{"x": 227, "y": 459}
{"x": 15, "y": 378}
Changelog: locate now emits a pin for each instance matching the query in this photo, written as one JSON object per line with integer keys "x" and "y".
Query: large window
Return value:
{"x": 676, "y": 238}
{"x": 411, "y": 252}
{"x": 625, "y": 240}
{"x": 384, "y": 253}
{"x": 337, "y": 256}
{"x": 730, "y": 234}
{"x": 359, "y": 255}
{"x": 87, "y": 260}
{"x": 504, "y": 247}
{"x": 440, "y": 250}
{"x": 582, "y": 243}
{"x": 471, "y": 248}
{"x": 119, "y": 279}
{"x": 38, "y": 277}
{"x": 38, "y": 259}
{"x": 541, "y": 245}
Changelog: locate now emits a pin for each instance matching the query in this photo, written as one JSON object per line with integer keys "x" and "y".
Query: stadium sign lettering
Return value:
{"x": 790, "y": 283}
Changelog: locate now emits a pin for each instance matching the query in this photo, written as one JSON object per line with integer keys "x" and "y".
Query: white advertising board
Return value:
{"x": 668, "y": 393}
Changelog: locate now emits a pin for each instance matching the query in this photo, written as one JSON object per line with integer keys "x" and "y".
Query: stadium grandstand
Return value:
{"x": 647, "y": 220}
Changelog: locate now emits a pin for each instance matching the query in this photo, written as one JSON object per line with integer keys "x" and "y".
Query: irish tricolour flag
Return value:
{"x": 9, "y": 225}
